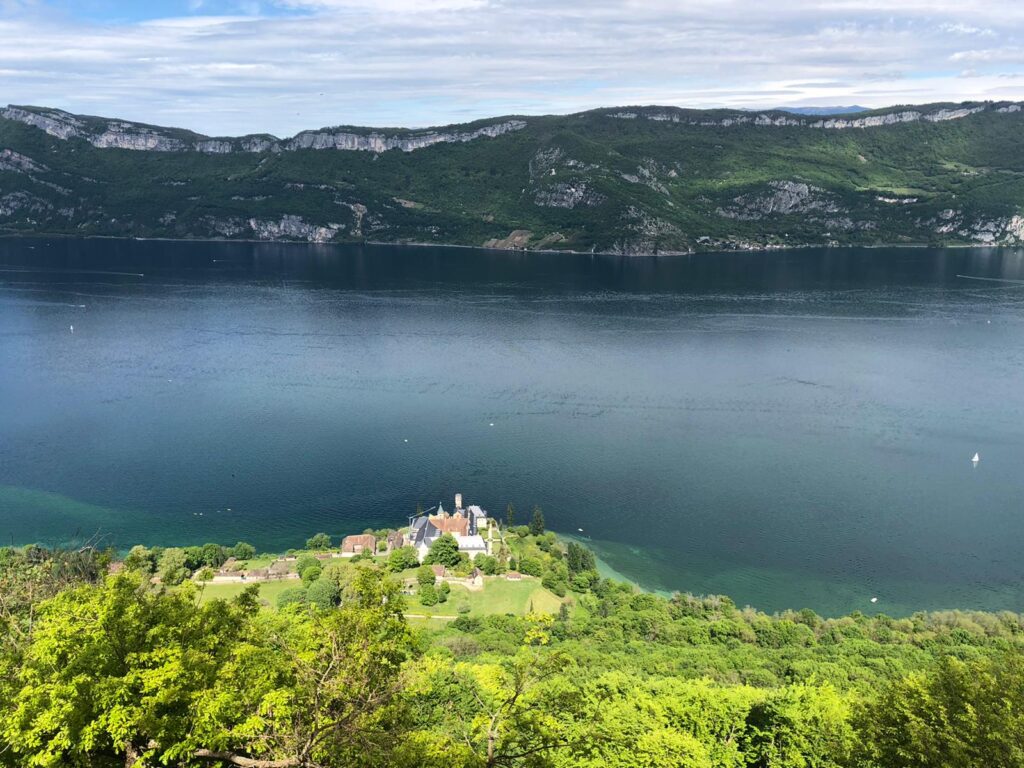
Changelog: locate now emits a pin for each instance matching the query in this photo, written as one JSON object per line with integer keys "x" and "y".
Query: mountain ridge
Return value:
{"x": 632, "y": 180}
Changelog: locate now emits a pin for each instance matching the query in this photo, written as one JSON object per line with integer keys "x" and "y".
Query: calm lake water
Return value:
{"x": 789, "y": 428}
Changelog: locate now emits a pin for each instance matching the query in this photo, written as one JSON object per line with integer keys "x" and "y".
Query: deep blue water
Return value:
{"x": 789, "y": 428}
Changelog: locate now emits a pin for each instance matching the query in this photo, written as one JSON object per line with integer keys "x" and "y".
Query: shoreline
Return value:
{"x": 489, "y": 249}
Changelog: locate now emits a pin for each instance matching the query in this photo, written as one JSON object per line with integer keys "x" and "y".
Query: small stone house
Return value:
{"x": 356, "y": 545}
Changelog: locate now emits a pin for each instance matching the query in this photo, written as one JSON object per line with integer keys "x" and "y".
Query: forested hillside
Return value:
{"x": 629, "y": 180}
{"x": 116, "y": 670}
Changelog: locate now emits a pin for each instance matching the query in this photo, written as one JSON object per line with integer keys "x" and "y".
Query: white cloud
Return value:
{"x": 307, "y": 63}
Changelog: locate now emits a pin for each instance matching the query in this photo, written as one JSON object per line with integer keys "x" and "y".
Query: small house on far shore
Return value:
{"x": 356, "y": 545}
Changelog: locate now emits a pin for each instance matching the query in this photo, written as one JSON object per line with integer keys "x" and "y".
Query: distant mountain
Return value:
{"x": 629, "y": 180}
{"x": 823, "y": 110}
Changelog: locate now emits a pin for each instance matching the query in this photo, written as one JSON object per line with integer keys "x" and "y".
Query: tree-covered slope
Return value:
{"x": 629, "y": 180}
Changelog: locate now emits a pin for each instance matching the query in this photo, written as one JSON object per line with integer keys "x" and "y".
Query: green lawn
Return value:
{"x": 498, "y": 596}
{"x": 269, "y": 590}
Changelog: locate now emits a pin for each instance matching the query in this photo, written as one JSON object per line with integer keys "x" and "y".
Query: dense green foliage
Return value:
{"x": 663, "y": 180}
{"x": 100, "y": 671}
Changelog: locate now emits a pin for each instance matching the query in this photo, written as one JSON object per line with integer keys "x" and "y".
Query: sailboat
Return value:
{"x": 976, "y": 459}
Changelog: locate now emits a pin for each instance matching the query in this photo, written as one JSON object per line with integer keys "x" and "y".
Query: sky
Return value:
{"x": 228, "y": 67}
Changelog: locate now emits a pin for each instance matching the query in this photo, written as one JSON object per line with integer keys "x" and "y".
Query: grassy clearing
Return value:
{"x": 269, "y": 590}
{"x": 498, "y": 596}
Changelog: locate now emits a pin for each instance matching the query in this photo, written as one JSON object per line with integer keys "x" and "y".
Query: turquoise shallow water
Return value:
{"x": 790, "y": 428}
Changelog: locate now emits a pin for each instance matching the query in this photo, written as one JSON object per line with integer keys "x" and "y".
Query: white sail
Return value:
{"x": 976, "y": 458}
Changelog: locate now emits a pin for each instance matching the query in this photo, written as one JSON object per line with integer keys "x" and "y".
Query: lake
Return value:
{"x": 789, "y": 428}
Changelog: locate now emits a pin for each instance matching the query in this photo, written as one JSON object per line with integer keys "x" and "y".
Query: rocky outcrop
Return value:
{"x": 1007, "y": 230}
{"x": 378, "y": 142}
{"x": 831, "y": 123}
{"x": 19, "y": 163}
{"x": 119, "y": 134}
{"x": 23, "y": 203}
{"x": 568, "y": 195}
{"x": 293, "y": 228}
{"x": 781, "y": 198}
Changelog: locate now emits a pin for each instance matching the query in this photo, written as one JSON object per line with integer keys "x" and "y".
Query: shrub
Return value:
{"x": 427, "y": 594}
{"x": 242, "y": 551}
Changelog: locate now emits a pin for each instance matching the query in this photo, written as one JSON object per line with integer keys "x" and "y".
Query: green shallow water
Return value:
{"x": 789, "y": 428}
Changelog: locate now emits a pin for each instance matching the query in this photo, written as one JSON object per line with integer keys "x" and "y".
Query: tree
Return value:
{"x": 444, "y": 551}
{"x": 510, "y": 515}
{"x": 292, "y": 596}
{"x": 305, "y": 563}
{"x": 318, "y": 541}
{"x": 967, "y": 714}
{"x": 213, "y": 555}
{"x": 243, "y": 551}
{"x": 114, "y": 672}
{"x": 443, "y": 590}
{"x": 579, "y": 559}
{"x": 142, "y": 559}
{"x": 173, "y": 566}
{"x": 402, "y": 559}
{"x": 311, "y": 689}
{"x": 425, "y": 574}
{"x": 427, "y": 594}
{"x": 537, "y": 522}
{"x": 487, "y": 564}
{"x": 323, "y": 593}
{"x": 311, "y": 574}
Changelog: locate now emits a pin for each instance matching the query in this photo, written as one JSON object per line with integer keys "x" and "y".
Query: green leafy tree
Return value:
{"x": 311, "y": 574}
{"x": 444, "y": 551}
{"x": 402, "y": 559}
{"x": 243, "y": 551}
{"x": 427, "y": 594}
{"x": 323, "y": 593}
{"x": 487, "y": 564}
{"x": 292, "y": 596}
{"x": 425, "y": 574}
{"x": 967, "y": 714}
{"x": 443, "y": 590}
{"x": 510, "y": 515}
{"x": 142, "y": 559}
{"x": 212, "y": 555}
{"x": 318, "y": 541}
{"x": 114, "y": 671}
{"x": 173, "y": 566}
{"x": 305, "y": 563}
{"x": 537, "y": 522}
{"x": 579, "y": 559}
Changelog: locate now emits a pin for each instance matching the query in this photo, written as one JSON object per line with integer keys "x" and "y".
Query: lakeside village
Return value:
{"x": 493, "y": 567}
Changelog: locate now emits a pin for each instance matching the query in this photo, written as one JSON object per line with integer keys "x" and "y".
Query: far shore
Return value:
{"x": 490, "y": 249}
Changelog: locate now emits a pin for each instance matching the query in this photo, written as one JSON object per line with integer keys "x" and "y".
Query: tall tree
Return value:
{"x": 537, "y": 522}
{"x": 444, "y": 551}
{"x": 510, "y": 515}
